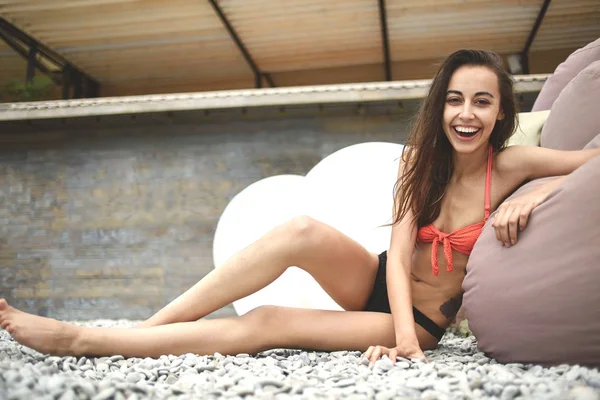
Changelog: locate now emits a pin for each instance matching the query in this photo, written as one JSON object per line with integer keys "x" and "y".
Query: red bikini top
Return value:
{"x": 461, "y": 240}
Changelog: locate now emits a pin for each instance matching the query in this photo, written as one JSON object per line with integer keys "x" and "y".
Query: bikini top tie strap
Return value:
{"x": 445, "y": 240}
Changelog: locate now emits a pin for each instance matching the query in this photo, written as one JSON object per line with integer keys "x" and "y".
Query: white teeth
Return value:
{"x": 466, "y": 130}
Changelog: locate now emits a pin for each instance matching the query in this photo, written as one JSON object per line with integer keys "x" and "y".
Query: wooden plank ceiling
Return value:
{"x": 156, "y": 46}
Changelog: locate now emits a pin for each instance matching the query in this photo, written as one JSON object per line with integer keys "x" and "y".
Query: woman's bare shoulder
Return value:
{"x": 510, "y": 165}
{"x": 508, "y": 159}
{"x": 509, "y": 170}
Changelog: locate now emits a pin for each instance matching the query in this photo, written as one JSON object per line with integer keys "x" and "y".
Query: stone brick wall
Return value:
{"x": 114, "y": 217}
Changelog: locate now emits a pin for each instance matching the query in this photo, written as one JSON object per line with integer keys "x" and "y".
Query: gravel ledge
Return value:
{"x": 457, "y": 371}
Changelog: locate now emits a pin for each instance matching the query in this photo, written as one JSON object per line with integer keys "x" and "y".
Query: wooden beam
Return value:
{"x": 56, "y": 5}
{"x": 31, "y": 63}
{"x": 385, "y": 39}
{"x": 257, "y": 73}
{"x": 114, "y": 20}
{"x": 231, "y": 99}
{"x": 530, "y": 39}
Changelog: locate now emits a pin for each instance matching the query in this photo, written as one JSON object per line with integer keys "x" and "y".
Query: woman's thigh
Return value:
{"x": 326, "y": 330}
{"x": 342, "y": 266}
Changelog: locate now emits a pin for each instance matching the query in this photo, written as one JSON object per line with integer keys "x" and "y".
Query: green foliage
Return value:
{"x": 40, "y": 88}
{"x": 463, "y": 329}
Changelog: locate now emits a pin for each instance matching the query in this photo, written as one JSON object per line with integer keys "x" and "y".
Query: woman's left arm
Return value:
{"x": 531, "y": 162}
{"x": 522, "y": 163}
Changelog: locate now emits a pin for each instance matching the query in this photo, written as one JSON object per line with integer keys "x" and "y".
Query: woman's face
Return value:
{"x": 472, "y": 108}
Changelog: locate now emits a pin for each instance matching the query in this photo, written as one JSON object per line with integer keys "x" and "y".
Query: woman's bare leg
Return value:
{"x": 344, "y": 268}
{"x": 260, "y": 329}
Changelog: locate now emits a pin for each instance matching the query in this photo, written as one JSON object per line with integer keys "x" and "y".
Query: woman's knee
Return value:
{"x": 304, "y": 230}
{"x": 264, "y": 316}
{"x": 264, "y": 321}
{"x": 303, "y": 224}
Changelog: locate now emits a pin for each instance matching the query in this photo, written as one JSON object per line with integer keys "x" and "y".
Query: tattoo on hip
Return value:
{"x": 450, "y": 308}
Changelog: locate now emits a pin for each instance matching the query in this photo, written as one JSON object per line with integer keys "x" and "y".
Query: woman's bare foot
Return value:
{"x": 48, "y": 336}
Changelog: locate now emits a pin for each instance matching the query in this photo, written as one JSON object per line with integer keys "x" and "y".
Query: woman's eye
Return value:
{"x": 482, "y": 102}
{"x": 453, "y": 100}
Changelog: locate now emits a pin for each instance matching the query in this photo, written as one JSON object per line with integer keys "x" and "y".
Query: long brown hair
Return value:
{"x": 423, "y": 183}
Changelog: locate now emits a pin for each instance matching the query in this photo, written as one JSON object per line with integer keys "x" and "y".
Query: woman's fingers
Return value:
{"x": 513, "y": 225}
{"x": 511, "y": 219}
{"x": 502, "y": 224}
{"x": 497, "y": 221}
{"x": 513, "y": 216}
{"x": 373, "y": 354}
{"x": 393, "y": 354}
{"x": 524, "y": 216}
{"x": 376, "y": 354}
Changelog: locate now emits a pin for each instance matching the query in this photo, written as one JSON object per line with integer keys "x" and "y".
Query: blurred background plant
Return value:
{"x": 16, "y": 90}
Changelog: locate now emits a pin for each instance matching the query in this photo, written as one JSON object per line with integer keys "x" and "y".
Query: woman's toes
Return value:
{"x": 3, "y": 305}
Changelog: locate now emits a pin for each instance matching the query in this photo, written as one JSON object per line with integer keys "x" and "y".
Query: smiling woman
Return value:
{"x": 471, "y": 113}
{"x": 472, "y": 92}
{"x": 454, "y": 171}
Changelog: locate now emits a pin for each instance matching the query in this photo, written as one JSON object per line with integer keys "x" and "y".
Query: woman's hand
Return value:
{"x": 407, "y": 350}
{"x": 512, "y": 216}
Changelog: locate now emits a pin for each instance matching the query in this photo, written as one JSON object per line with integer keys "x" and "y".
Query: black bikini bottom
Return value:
{"x": 379, "y": 301}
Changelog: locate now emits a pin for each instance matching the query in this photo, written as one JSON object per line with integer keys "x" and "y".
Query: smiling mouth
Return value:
{"x": 466, "y": 132}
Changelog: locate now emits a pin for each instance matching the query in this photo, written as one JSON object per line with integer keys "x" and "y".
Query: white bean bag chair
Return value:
{"x": 351, "y": 190}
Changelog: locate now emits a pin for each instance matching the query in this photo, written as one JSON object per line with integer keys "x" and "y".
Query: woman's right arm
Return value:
{"x": 399, "y": 263}
{"x": 399, "y": 290}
